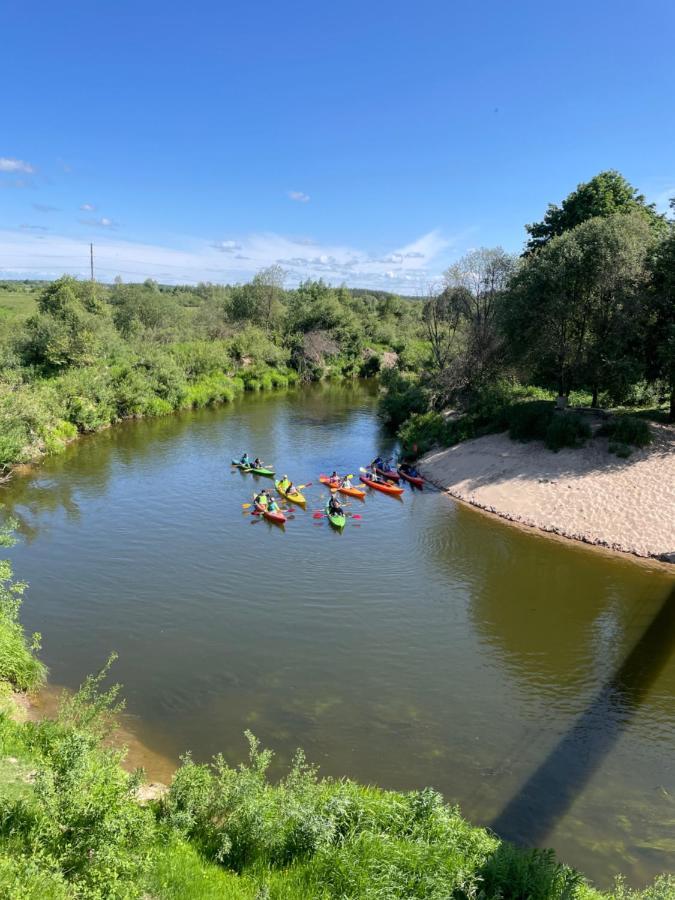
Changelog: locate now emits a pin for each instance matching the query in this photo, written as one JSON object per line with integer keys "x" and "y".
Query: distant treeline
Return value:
{"x": 86, "y": 355}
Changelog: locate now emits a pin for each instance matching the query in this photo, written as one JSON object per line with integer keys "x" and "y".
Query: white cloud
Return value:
{"x": 45, "y": 207}
{"x": 103, "y": 222}
{"x": 7, "y": 164}
{"x": 299, "y": 196}
{"x": 87, "y": 207}
{"x": 226, "y": 246}
{"x": 405, "y": 269}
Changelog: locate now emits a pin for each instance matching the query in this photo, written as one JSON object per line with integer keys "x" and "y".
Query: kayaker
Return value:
{"x": 244, "y": 460}
{"x": 334, "y": 506}
{"x": 261, "y": 499}
{"x": 346, "y": 482}
{"x": 290, "y": 488}
{"x": 377, "y": 463}
{"x": 335, "y": 476}
{"x": 272, "y": 506}
{"x": 284, "y": 484}
{"x": 257, "y": 463}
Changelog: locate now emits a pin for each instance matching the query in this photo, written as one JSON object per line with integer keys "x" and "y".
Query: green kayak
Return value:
{"x": 337, "y": 520}
{"x": 252, "y": 469}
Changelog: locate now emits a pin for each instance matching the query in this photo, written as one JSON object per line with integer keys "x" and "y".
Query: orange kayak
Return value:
{"x": 350, "y": 492}
{"x": 385, "y": 488}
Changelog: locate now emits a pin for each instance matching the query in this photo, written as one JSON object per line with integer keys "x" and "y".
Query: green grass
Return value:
{"x": 18, "y": 302}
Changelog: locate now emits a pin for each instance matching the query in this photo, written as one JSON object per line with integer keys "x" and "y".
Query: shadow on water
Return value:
{"x": 548, "y": 794}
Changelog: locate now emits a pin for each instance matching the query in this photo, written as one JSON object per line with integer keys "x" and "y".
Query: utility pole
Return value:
{"x": 91, "y": 260}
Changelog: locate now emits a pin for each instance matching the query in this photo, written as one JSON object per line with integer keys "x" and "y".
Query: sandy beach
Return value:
{"x": 586, "y": 494}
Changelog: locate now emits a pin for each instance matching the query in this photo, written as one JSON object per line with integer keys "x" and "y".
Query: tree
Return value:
{"x": 604, "y": 195}
{"x": 441, "y": 317}
{"x": 476, "y": 284}
{"x": 661, "y": 327}
{"x": 575, "y": 310}
{"x": 268, "y": 287}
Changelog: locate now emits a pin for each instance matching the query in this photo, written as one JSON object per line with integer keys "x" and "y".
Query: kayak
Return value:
{"x": 385, "y": 488}
{"x": 277, "y": 517}
{"x": 337, "y": 520}
{"x": 252, "y": 469}
{"x": 295, "y": 497}
{"x": 417, "y": 480}
{"x": 350, "y": 492}
{"x": 391, "y": 474}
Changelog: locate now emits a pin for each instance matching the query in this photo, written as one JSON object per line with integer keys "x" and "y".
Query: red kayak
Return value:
{"x": 277, "y": 517}
{"x": 417, "y": 480}
{"x": 385, "y": 488}
{"x": 391, "y": 474}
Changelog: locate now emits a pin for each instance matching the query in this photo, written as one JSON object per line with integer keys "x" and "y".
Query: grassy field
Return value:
{"x": 17, "y": 298}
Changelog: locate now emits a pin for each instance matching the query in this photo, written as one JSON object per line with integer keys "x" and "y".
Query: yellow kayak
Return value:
{"x": 295, "y": 497}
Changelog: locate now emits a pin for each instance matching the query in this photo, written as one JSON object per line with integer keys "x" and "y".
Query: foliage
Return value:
{"x": 628, "y": 430}
{"x": 604, "y": 195}
{"x": 566, "y": 429}
{"x": 530, "y": 421}
{"x": 18, "y": 664}
{"x": 403, "y": 396}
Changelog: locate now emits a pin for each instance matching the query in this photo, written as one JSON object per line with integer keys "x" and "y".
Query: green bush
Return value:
{"x": 403, "y": 397}
{"x": 566, "y": 430}
{"x": 18, "y": 663}
{"x": 630, "y": 430}
{"x": 530, "y": 421}
{"x": 423, "y": 431}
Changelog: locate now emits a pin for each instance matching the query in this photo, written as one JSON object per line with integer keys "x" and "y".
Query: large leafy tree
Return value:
{"x": 661, "y": 329}
{"x": 575, "y": 311}
{"x": 606, "y": 194}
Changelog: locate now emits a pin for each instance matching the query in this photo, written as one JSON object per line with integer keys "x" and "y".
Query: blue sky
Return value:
{"x": 371, "y": 143}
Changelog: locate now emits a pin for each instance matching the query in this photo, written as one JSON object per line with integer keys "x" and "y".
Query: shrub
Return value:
{"x": 530, "y": 421}
{"x": 18, "y": 663}
{"x": 511, "y": 874}
{"x": 566, "y": 430}
{"x": 403, "y": 397}
{"x": 423, "y": 431}
{"x": 630, "y": 430}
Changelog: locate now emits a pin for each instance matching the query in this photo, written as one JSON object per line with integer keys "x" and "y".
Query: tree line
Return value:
{"x": 589, "y": 306}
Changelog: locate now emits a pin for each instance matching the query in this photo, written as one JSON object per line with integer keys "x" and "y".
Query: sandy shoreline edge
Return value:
{"x": 585, "y": 494}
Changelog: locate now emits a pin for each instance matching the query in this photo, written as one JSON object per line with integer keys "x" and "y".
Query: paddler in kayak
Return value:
{"x": 377, "y": 463}
{"x": 285, "y": 484}
{"x": 272, "y": 506}
{"x": 334, "y": 506}
{"x": 258, "y": 463}
{"x": 244, "y": 461}
{"x": 261, "y": 499}
{"x": 335, "y": 478}
{"x": 346, "y": 482}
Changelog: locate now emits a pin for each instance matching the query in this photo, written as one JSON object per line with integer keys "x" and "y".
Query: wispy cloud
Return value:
{"x": 87, "y": 207}
{"x": 103, "y": 222}
{"x": 299, "y": 196}
{"x": 45, "y": 207}
{"x": 405, "y": 269}
{"x": 34, "y": 227}
{"x": 226, "y": 246}
{"x": 8, "y": 164}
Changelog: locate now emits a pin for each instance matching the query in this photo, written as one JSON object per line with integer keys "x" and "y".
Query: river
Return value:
{"x": 530, "y": 680}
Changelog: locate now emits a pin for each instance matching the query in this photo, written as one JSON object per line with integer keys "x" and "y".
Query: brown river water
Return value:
{"x": 531, "y": 681}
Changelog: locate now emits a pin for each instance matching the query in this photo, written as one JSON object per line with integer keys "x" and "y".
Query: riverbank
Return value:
{"x": 585, "y": 494}
{"x": 231, "y": 832}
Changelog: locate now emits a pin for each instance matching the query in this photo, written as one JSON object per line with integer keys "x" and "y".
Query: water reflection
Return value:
{"x": 551, "y": 790}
